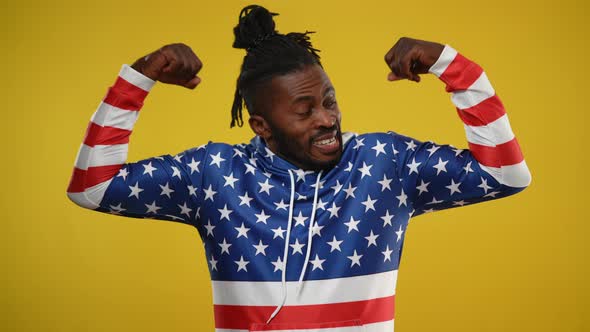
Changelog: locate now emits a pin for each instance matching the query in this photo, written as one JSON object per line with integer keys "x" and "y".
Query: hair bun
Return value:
{"x": 255, "y": 24}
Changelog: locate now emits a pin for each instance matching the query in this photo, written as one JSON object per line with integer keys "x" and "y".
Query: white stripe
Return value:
{"x": 110, "y": 116}
{"x": 136, "y": 78}
{"x": 479, "y": 91}
{"x": 387, "y": 326}
{"x": 91, "y": 197}
{"x": 517, "y": 175}
{"x": 494, "y": 133}
{"x": 101, "y": 155}
{"x": 83, "y": 157}
{"x": 349, "y": 289}
{"x": 444, "y": 60}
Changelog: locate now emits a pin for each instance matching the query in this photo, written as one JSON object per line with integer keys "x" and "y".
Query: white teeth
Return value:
{"x": 326, "y": 141}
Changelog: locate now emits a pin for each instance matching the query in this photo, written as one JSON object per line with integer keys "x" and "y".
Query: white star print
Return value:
{"x": 350, "y": 191}
{"x": 269, "y": 154}
{"x": 230, "y": 180}
{"x": 440, "y": 167}
{"x": 379, "y": 148}
{"x": 300, "y": 174}
{"x": 349, "y": 168}
{"x": 191, "y": 190}
{"x": 281, "y": 205}
{"x": 399, "y": 233}
{"x": 238, "y": 153}
{"x": 402, "y": 198}
{"x": 335, "y": 244}
{"x": 422, "y": 187}
{"x": 300, "y": 219}
{"x": 225, "y": 212}
{"x": 245, "y": 200}
{"x": 152, "y": 208}
{"x": 372, "y": 238}
{"x": 337, "y": 187}
{"x": 297, "y": 247}
{"x": 369, "y": 203}
{"x": 352, "y": 224}
{"x": 387, "y": 254}
{"x": 250, "y": 169}
{"x": 185, "y": 209}
{"x": 484, "y": 185}
{"x": 355, "y": 259}
{"x": 394, "y": 150}
{"x": 225, "y": 246}
{"x": 242, "y": 264}
{"x": 175, "y": 172}
{"x": 213, "y": 263}
{"x": 365, "y": 170}
{"x": 242, "y": 231}
{"x": 116, "y": 209}
{"x": 457, "y": 151}
{"x": 177, "y": 158}
{"x": 166, "y": 190}
{"x": 123, "y": 173}
{"x": 135, "y": 190}
{"x": 359, "y": 143}
{"x": 265, "y": 187}
{"x": 209, "y": 228}
{"x": 432, "y": 150}
{"x": 411, "y": 145}
{"x": 278, "y": 264}
{"x": 385, "y": 183}
{"x": 454, "y": 187}
{"x": 217, "y": 159}
{"x": 434, "y": 201}
{"x": 317, "y": 263}
{"x": 334, "y": 210}
{"x": 321, "y": 204}
{"x": 278, "y": 232}
{"x": 260, "y": 248}
{"x": 262, "y": 217}
{"x": 209, "y": 193}
{"x": 467, "y": 168}
{"x": 459, "y": 203}
{"x": 194, "y": 165}
{"x": 149, "y": 169}
{"x": 316, "y": 230}
{"x": 413, "y": 166}
{"x": 492, "y": 194}
{"x": 387, "y": 218}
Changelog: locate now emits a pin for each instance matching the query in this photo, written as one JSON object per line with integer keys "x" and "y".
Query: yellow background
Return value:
{"x": 517, "y": 264}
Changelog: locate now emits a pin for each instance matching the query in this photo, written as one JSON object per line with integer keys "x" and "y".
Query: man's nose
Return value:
{"x": 326, "y": 118}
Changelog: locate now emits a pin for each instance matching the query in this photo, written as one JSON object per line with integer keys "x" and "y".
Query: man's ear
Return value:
{"x": 259, "y": 126}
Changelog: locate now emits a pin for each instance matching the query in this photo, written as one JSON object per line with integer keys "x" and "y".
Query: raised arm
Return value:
{"x": 441, "y": 176}
{"x": 162, "y": 187}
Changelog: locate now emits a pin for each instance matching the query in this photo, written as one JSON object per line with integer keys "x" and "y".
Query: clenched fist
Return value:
{"x": 410, "y": 57}
{"x": 172, "y": 64}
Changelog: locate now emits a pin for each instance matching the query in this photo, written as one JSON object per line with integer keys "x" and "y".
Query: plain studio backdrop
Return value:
{"x": 516, "y": 264}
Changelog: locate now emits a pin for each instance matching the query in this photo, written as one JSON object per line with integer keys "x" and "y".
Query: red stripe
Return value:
{"x": 98, "y": 135}
{"x": 129, "y": 89}
{"x": 461, "y": 73}
{"x": 81, "y": 179}
{"x": 122, "y": 101}
{"x": 483, "y": 113}
{"x": 504, "y": 154}
{"x": 304, "y": 316}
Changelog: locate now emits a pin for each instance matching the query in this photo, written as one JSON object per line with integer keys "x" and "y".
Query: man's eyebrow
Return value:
{"x": 310, "y": 98}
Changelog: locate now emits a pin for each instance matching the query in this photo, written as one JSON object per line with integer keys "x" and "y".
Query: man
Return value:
{"x": 304, "y": 226}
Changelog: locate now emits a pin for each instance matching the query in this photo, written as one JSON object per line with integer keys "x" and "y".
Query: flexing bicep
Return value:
{"x": 102, "y": 180}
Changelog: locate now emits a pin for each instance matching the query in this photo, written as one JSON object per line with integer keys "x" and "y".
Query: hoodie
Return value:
{"x": 290, "y": 249}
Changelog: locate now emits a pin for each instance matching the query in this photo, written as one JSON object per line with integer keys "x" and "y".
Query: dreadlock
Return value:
{"x": 269, "y": 54}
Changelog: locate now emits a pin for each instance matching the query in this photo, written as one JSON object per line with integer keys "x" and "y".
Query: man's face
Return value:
{"x": 300, "y": 119}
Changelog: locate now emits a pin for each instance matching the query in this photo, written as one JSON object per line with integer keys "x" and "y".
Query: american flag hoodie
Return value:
{"x": 296, "y": 250}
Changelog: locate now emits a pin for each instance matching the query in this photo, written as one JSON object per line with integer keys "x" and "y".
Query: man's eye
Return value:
{"x": 330, "y": 103}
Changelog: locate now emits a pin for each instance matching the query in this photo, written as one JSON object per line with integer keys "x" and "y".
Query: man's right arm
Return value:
{"x": 162, "y": 187}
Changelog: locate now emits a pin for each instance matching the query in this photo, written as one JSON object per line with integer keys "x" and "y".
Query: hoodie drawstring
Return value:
{"x": 286, "y": 251}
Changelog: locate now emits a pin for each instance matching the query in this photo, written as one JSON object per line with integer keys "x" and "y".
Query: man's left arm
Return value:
{"x": 437, "y": 177}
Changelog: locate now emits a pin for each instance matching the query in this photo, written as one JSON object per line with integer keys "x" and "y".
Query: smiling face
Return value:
{"x": 298, "y": 117}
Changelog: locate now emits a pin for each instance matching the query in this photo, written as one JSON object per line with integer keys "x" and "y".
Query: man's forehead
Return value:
{"x": 307, "y": 81}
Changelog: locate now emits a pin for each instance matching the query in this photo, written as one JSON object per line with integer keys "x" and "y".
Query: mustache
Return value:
{"x": 326, "y": 131}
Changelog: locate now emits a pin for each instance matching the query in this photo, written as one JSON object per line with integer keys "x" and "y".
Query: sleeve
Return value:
{"x": 439, "y": 177}
{"x": 162, "y": 187}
